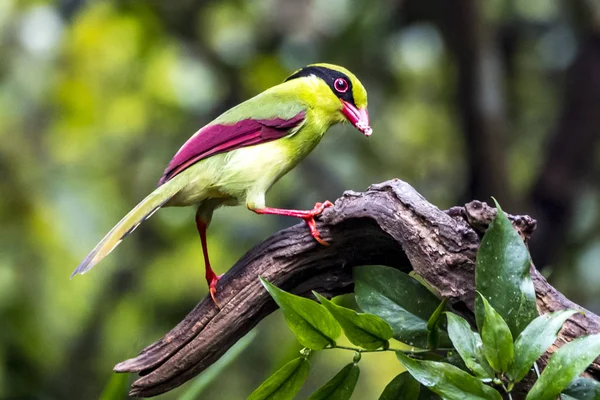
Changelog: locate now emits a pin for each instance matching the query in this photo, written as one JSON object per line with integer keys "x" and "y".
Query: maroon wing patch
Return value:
{"x": 219, "y": 138}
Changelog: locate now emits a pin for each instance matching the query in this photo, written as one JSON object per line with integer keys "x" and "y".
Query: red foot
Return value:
{"x": 307, "y": 216}
{"x": 310, "y": 220}
{"x": 212, "y": 288}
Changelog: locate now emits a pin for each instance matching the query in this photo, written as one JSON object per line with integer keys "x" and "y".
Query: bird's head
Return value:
{"x": 343, "y": 87}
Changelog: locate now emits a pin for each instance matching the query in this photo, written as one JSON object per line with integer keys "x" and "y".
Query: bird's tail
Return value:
{"x": 132, "y": 220}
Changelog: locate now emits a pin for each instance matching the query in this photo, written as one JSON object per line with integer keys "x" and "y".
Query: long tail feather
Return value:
{"x": 132, "y": 220}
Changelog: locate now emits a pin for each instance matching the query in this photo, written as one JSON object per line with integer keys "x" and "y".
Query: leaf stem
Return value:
{"x": 359, "y": 350}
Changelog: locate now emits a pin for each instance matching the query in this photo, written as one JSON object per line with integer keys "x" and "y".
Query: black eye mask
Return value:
{"x": 328, "y": 76}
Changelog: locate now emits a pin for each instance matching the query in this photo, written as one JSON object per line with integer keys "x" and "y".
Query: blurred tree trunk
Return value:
{"x": 570, "y": 157}
{"x": 480, "y": 97}
{"x": 482, "y": 54}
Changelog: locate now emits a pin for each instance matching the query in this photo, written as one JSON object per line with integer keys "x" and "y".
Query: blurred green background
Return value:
{"x": 468, "y": 99}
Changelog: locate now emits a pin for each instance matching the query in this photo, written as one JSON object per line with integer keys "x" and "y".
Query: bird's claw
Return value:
{"x": 312, "y": 225}
{"x": 212, "y": 288}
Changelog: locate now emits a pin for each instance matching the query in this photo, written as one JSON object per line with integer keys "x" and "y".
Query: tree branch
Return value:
{"x": 389, "y": 224}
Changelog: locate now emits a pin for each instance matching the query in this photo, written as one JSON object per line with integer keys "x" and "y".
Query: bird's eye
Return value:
{"x": 340, "y": 85}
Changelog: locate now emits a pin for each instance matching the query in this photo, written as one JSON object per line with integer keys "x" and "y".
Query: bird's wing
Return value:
{"x": 220, "y": 137}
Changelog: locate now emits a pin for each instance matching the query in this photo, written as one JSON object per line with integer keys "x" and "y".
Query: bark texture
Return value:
{"x": 389, "y": 224}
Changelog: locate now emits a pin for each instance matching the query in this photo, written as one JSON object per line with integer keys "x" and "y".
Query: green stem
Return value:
{"x": 381, "y": 350}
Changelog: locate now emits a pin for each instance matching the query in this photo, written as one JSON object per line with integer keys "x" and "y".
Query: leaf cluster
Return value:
{"x": 446, "y": 358}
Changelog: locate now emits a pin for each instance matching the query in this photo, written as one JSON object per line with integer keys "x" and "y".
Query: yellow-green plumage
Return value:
{"x": 245, "y": 174}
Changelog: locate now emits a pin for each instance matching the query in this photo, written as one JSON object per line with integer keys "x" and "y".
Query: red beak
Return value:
{"x": 359, "y": 117}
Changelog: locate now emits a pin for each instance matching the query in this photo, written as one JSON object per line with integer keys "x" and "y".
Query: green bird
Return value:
{"x": 236, "y": 158}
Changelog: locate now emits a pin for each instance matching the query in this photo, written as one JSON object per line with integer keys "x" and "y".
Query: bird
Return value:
{"x": 237, "y": 157}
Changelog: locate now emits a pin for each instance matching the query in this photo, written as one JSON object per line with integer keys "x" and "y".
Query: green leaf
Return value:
{"x": 449, "y": 382}
{"x": 397, "y": 298}
{"x": 433, "y": 334}
{"x": 565, "y": 365}
{"x": 402, "y": 387}
{"x": 502, "y": 273}
{"x": 433, "y": 338}
{"x": 312, "y": 324}
{"x": 340, "y": 387}
{"x": 497, "y": 340}
{"x": 285, "y": 383}
{"x": 583, "y": 389}
{"x": 365, "y": 330}
{"x": 469, "y": 346}
{"x": 434, "y": 320}
{"x": 535, "y": 340}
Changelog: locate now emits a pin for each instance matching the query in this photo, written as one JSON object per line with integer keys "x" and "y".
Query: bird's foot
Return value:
{"x": 212, "y": 288}
{"x": 309, "y": 218}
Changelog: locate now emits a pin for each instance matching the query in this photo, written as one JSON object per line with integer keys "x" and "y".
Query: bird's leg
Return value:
{"x": 211, "y": 277}
{"x": 307, "y": 215}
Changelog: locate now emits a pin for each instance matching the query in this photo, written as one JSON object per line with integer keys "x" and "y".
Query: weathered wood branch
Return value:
{"x": 389, "y": 224}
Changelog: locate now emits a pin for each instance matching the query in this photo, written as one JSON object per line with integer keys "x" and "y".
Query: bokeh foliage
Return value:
{"x": 96, "y": 96}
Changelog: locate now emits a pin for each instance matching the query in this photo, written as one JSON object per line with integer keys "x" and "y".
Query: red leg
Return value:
{"x": 308, "y": 216}
{"x": 211, "y": 277}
